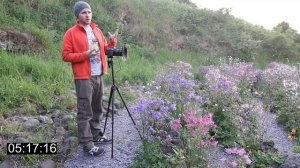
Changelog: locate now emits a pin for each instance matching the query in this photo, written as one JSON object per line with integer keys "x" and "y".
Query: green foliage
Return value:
{"x": 280, "y": 47}
{"x": 179, "y": 27}
{"x": 177, "y": 159}
{"x": 289, "y": 116}
{"x": 10, "y": 129}
{"x": 151, "y": 156}
{"x": 267, "y": 159}
{"x": 296, "y": 149}
{"x": 226, "y": 132}
{"x": 30, "y": 79}
{"x": 3, "y": 154}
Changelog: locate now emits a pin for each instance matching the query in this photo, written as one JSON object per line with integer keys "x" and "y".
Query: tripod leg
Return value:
{"x": 112, "y": 122}
{"x": 109, "y": 103}
{"x": 129, "y": 113}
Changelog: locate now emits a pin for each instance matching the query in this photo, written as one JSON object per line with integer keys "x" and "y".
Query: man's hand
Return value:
{"x": 114, "y": 36}
{"x": 91, "y": 53}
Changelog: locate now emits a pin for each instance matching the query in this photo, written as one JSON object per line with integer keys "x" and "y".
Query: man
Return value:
{"x": 84, "y": 45}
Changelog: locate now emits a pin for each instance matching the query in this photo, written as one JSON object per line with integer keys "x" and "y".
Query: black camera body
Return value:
{"x": 111, "y": 52}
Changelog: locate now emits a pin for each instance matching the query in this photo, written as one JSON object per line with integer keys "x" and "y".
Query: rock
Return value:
{"x": 19, "y": 41}
{"x": 116, "y": 111}
{"x": 7, "y": 115}
{"x": 118, "y": 104}
{"x": 292, "y": 161}
{"x": 67, "y": 117}
{"x": 105, "y": 99}
{"x": 45, "y": 119}
{"x": 20, "y": 140}
{"x": 268, "y": 146}
{"x": 1, "y": 142}
{"x": 73, "y": 92}
{"x": 56, "y": 140}
{"x": 31, "y": 123}
{"x": 48, "y": 164}
{"x": 2, "y": 46}
{"x": 18, "y": 119}
{"x": 7, "y": 164}
{"x": 126, "y": 83}
{"x": 60, "y": 132}
{"x": 71, "y": 140}
{"x": 274, "y": 109}
{"x": 54, "y": 113}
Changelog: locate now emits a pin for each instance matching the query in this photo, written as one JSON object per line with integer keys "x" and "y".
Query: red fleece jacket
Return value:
{"x": 75, "y": 45}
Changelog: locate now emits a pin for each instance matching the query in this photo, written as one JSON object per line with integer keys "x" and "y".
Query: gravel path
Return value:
{"x": 274, "y": 132}
{"x": 126, "y": 142}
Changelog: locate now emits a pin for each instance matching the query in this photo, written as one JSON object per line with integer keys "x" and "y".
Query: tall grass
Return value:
{"x": 33, "y": 79}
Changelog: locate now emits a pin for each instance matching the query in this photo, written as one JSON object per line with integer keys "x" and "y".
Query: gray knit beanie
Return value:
{"x": 79, "y": 6}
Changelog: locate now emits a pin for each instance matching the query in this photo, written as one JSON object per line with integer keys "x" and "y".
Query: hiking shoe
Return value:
{"x": 96, "y": 151}
{"x": 103, "y": 139}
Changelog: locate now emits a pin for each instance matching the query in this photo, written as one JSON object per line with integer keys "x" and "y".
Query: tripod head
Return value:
{"x": 111, "y": 52}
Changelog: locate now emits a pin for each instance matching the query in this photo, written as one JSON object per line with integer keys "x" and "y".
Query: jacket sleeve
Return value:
{"x": 68, "y": 54}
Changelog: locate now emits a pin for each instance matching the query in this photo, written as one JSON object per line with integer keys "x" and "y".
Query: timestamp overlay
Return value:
{"x": 31, "y": 148}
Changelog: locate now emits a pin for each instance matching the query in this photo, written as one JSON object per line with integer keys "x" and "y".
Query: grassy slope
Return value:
{"x": 157, "y": 32}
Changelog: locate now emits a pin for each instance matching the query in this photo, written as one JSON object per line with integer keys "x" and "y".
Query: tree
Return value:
{"x": 281, "y": 27}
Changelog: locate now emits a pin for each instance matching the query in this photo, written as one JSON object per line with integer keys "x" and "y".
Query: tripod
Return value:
{"x": 111, "y": 103}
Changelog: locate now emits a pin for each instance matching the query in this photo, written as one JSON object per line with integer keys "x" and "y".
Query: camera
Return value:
{"x": 122, "y": 52}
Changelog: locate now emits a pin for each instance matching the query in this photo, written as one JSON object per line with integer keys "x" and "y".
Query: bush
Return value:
{"x": 151, "y": 156}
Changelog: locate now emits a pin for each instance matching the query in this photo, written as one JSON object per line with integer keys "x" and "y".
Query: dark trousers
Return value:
{"x": 90, "y": 111}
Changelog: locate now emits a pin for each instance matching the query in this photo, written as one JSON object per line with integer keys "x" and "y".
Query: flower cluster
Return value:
{"x": 156, "y": 117}
{"x": 219, "y": 85}
{"x": 293, "y": 134}
{"x": 243, "y": 157}
{"x": 291, "y": 88}
{"x": 277, "y": 72}
{"x": 228, "y": 80}
{"x": 244, "y": 73}
{"x": 177, "y": 83}
{"x": 197, "y": 127}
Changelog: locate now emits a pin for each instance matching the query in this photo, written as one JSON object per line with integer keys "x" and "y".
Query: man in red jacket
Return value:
{"x": 84, "y": 45}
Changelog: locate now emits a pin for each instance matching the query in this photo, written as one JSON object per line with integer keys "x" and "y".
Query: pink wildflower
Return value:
{"x": 204, "y": 143}
{"x": 193, "y": 133}
{"x": 204, "y": 131}
{"x": 237, "y": 151}
{"x": 247, "y": 159}
{"x": 176, "y": 124}
{"x": 234, "y": 163}
{"x": 200, "y": 121}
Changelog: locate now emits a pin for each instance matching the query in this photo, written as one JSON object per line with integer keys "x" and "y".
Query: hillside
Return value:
{"x": 156, "y": 24}
{"x": 35, "y": 82}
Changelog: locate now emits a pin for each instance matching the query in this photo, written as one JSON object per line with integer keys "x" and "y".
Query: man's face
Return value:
{"x": 85, "y": 16}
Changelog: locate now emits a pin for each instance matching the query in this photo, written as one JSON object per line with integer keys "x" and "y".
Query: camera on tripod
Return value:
{"x": 111, "y": 52}
{"x": 122, "y": 52}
